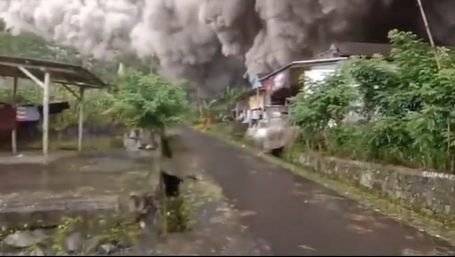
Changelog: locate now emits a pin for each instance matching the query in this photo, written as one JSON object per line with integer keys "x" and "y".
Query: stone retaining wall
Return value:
{"x": 413, "y": 188}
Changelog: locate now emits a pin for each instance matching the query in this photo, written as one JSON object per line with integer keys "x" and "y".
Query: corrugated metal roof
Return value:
{"x": 60, "y": 72}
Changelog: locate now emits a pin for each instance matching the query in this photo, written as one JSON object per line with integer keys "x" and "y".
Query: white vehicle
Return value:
{"x": 273, "y": 132}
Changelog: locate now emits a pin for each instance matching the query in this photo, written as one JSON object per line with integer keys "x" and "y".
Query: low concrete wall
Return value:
{"x": 413, "y": 188}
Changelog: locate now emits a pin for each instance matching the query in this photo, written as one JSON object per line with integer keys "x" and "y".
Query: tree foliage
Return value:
{"x": 148, "y": 101}
{"x": 96, "y": 101}
{"x": 405, "y": 107}
{"x": 28, "y": 45}
{"x": 220, "y": 108}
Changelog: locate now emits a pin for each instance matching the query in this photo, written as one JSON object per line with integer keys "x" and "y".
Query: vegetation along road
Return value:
{"x": 299, "y": 217}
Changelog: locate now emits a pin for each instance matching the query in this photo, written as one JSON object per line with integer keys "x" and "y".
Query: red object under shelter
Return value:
{"x": 7, "y": 117}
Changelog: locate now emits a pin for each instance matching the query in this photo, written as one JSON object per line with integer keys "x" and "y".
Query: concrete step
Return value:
{"x": 50, "y": 212}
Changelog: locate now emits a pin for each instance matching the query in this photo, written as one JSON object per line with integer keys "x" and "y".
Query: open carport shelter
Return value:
{"x": 44, "y": 74}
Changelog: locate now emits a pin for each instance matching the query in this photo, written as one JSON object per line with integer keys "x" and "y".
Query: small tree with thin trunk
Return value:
{"x": 148, "y": 102}
{"x": 151, "y": 103}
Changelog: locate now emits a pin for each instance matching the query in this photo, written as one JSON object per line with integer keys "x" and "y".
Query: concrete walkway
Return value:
{"x": 295, "y": 216}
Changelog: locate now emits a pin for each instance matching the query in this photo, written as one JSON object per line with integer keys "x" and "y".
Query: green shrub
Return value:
{"x": 406, "y": 107}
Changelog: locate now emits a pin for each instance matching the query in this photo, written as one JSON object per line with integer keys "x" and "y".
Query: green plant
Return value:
{"x": 326, "y": 105}
{"x": 96, "y": 101}
{"x": 227, "y": 100}
{"x": 220, "y": 108}
{"x": 229, "y": 97}
{"x": 148, "y": 101}
{"x": 207, "y": 107}
{"x": 67, "y": 226}
{"x": 404, "y": 107}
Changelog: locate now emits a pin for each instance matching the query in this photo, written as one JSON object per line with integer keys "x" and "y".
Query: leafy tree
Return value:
{"x": 228, "y": 98}
{"x": 207, "y": 107}
{"x": 29, "y": 45}
{"x": 148, "y": 101}
{"x": 406, "y": 104}
{"x": 220, "y": 107}
{"x": 321, "y": 104}
{"x": 96, "y": 101}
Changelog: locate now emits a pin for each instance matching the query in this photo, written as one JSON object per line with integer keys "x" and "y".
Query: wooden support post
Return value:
{"x": 14, "y": 131}
{"x": 46, "y": 92}
{"x": 81, "y": 119}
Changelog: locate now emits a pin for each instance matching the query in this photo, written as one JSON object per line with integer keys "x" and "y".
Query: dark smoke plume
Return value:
{"x": 213, "y": 42}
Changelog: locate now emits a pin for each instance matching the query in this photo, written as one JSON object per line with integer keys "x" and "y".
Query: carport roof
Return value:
{"x": 63, "y": 73}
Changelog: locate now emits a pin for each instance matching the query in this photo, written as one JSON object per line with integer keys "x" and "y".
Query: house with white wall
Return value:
{"x": 288, "y": 80}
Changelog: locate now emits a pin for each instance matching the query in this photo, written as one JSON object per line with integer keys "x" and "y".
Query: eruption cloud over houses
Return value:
{"x": 211, "y": 43}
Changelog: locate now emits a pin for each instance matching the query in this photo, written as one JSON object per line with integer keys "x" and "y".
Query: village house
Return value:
{"x": 286, "y": 81}
{"x": 270, "y": 93}
{"x": 256, "y": 93}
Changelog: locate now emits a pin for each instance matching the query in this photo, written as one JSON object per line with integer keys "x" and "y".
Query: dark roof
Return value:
{"x": 346, "y": 49}
{"x": 63, "y": 73}
{"x": 303, "y": 63}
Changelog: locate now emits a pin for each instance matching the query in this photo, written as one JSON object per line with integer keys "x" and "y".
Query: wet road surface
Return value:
{"x": 295, "y": 216}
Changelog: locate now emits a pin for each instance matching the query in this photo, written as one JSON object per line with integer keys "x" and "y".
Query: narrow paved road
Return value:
{"x": 299, "y": 217}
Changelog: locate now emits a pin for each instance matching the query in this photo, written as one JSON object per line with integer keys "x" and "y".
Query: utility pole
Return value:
{"x": 428, "y": 30}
